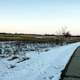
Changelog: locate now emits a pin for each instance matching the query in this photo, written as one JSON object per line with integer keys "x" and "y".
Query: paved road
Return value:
{"x": 72, "y": 70}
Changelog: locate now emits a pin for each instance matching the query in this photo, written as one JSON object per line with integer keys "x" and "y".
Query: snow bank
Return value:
{"x": 43, "y": 66}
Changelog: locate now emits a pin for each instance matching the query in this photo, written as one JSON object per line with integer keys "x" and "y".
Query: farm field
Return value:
{"x": 27, "y": 63}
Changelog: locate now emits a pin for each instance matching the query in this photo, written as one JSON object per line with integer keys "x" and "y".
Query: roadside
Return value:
{"x": 72, "y": 70}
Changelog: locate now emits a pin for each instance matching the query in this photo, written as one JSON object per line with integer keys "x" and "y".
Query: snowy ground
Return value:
{"x": 43, "y": 66}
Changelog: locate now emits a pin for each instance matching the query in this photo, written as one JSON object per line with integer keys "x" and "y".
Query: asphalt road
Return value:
{"x": 72, "y": 70}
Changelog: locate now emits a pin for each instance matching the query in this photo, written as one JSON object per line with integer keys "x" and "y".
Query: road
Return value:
{"x": 72, "y": 70}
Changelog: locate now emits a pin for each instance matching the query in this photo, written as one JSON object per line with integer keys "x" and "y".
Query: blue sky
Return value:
{"x": 39, "y": 16}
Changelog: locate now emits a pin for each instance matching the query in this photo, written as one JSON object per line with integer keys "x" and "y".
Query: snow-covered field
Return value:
{"x": 43, "y": 66}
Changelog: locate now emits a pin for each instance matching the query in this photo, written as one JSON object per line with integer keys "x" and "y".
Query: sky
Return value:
{"x": 39, "y": 16}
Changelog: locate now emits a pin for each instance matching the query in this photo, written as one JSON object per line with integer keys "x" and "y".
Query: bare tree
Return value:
{"x": 62, "y": 34}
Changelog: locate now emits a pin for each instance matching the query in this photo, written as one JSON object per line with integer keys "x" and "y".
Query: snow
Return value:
{"x": 43, "y": 66}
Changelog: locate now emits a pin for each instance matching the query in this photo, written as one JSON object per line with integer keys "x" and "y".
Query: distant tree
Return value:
{"x": 67, "y": 34}
{"x": 62, "y": 34}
